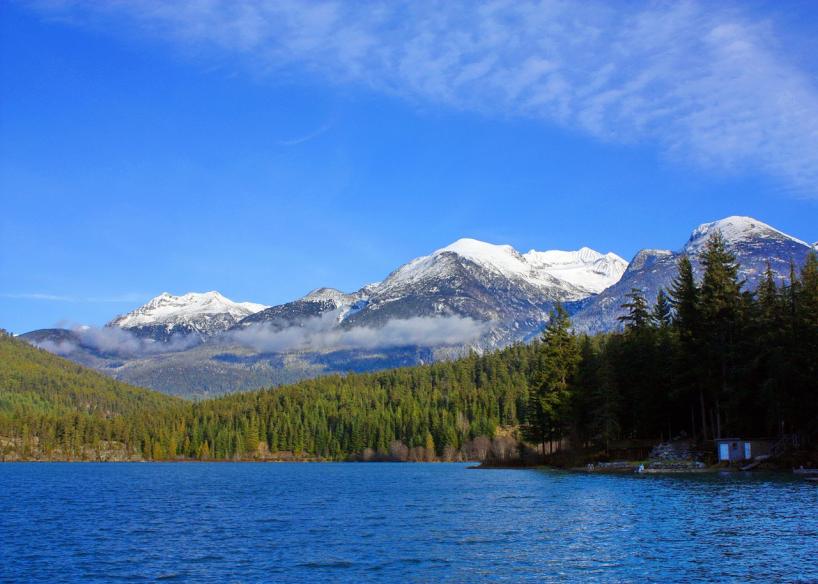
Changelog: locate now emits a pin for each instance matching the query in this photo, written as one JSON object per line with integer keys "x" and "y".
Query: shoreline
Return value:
{"x": 240, "y": 461}
{"x": 473, "y": 465}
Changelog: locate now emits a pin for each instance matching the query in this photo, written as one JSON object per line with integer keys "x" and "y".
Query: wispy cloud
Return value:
{"x": 120, "y": 298}
{"x": 702, "y": 81}
{"x": 38, "y": 296}
{"x": 306, "y": 137}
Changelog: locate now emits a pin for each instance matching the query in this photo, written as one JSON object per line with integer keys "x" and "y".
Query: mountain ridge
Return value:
{"x": 201, "y": 313}
{"x": 754, "y": 243}
{"x": 469, "y": 295}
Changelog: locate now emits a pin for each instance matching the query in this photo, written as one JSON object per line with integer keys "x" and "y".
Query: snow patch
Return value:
{"x": 170, "y": 310}
{"x": 585, "y": 268}
{"x": 735, "y": 229}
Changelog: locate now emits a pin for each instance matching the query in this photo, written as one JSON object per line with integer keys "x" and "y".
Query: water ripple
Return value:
{"x": 391, "y": 522}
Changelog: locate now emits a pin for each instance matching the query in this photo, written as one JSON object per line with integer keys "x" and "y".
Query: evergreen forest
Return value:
{"x": 709, "y": 358}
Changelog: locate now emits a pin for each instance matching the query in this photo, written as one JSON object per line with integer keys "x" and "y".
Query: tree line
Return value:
{"x": 709, "y": 358}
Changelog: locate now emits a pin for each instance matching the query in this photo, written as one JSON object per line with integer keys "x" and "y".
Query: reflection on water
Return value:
{"x": 399, "y": 522}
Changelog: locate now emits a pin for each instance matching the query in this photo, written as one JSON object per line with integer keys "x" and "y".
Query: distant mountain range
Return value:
{"x": 203, "y": 315}
{"x": 754, "y": 244}
{"x": 470, "y": 295}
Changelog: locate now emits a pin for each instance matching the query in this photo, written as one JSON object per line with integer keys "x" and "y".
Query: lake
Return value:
{"x": 222, "y": 522}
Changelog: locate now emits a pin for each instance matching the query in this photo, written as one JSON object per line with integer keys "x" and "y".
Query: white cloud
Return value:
{"x": 39, "y": 296}
{"x": 48, "y": 297}
{"x": 58, "y": 347}
{"x": 323, "y": 334}
{"x": 701, "y": 81}
{"x": 313, "y": 334}
{"x": 116, "y": 341}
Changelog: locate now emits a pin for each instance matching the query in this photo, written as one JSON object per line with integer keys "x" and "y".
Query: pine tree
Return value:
{"x": 807, "y": 291}
{"x": 549, "y": 397}
{"x": 804, "y": 400}
{"x": 687, "y": 321}
{"x": 251, "y": 437}
{"x": 684, "y": 297}
{"x": 662, "y": 313}
{"x": 768, "y": 296}
{"x": 429, "y": 445}
{"x": 607, "y": 398}
{"x": 638, "y": 316}
{"x": 721, "y": 304}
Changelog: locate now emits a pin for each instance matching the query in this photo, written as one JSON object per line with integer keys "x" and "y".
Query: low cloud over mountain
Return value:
{"x": 468, "y": 295}
{"x": 322, "y": 334}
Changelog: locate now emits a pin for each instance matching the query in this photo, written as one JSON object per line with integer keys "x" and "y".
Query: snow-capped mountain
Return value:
{"x": 490, "y": 283}
{"x": 470, "y": 279}
{"x": 507, "y": 293}
{"x": 755, "y": 244}
{"x": 575, "y": 273}
{"x": 467, "y": 278}
{"x": 315, "y": 304}
{"x": 205, "y": 314}
{"x": 585, "y": 268}
{"x": 738, "y": 231}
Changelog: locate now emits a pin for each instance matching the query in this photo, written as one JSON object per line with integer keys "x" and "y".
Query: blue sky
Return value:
{"x": 266, "y": 150}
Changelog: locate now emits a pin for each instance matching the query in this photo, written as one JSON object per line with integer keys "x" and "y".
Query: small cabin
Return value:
{"x": 739, "y": 449}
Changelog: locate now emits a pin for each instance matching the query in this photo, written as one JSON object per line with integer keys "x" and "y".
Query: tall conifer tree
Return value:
{"x": 662, "y": 312}
{"x": 684, "y": 297}
{"x": 549, "y": 397}
{"x": 721, "y": 306}
{"x": 638, "y": 316}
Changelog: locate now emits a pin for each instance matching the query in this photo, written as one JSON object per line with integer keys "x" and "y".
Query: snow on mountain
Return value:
{"x": 323, "y": 294}
{"x": 754, "y": 244}
{"x": 584, "y": 268}
{"x": 736, "y": 229}
{"x": 469, "y": 279}
{"x": 338, "y": 298}
{"x": 581, "y": 273}
{"x": 344, "y": 303}
{"x": 205, "y": 313}
{"x": 500, "y": 259}
{"x": 317, "y": 303}
{"x": 487, "y": 283}
{"x": 507, "y": 293}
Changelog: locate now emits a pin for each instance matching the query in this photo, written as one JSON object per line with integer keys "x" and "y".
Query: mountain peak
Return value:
{"x": 499, "y": 256}
{"x": 167, "y": 309}
{"x": 576, "y": 273}
{"x": 648, "y": 257}
{"x": 474, "y": 249}
{"x": 585, "y": 268}
{"x": 735, "y": 229}
{"x": 320, "y": 294}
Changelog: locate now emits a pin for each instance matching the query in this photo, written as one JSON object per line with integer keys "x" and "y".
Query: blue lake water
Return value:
{"x": 398, "y": 522}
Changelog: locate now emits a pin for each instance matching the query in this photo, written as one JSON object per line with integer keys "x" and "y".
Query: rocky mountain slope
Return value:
{"x": 314, "y": 305}
{"x": 468, "y": 295}
{"x": 201, "y": 314}
{"x": 754, "y": 243}
{"x": 468, "y": 279}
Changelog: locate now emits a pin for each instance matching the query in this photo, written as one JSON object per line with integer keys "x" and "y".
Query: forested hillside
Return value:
{"x": 38, "y": 380}
{"x": 708, "y": 359}
{"x": 53, "y": 406}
